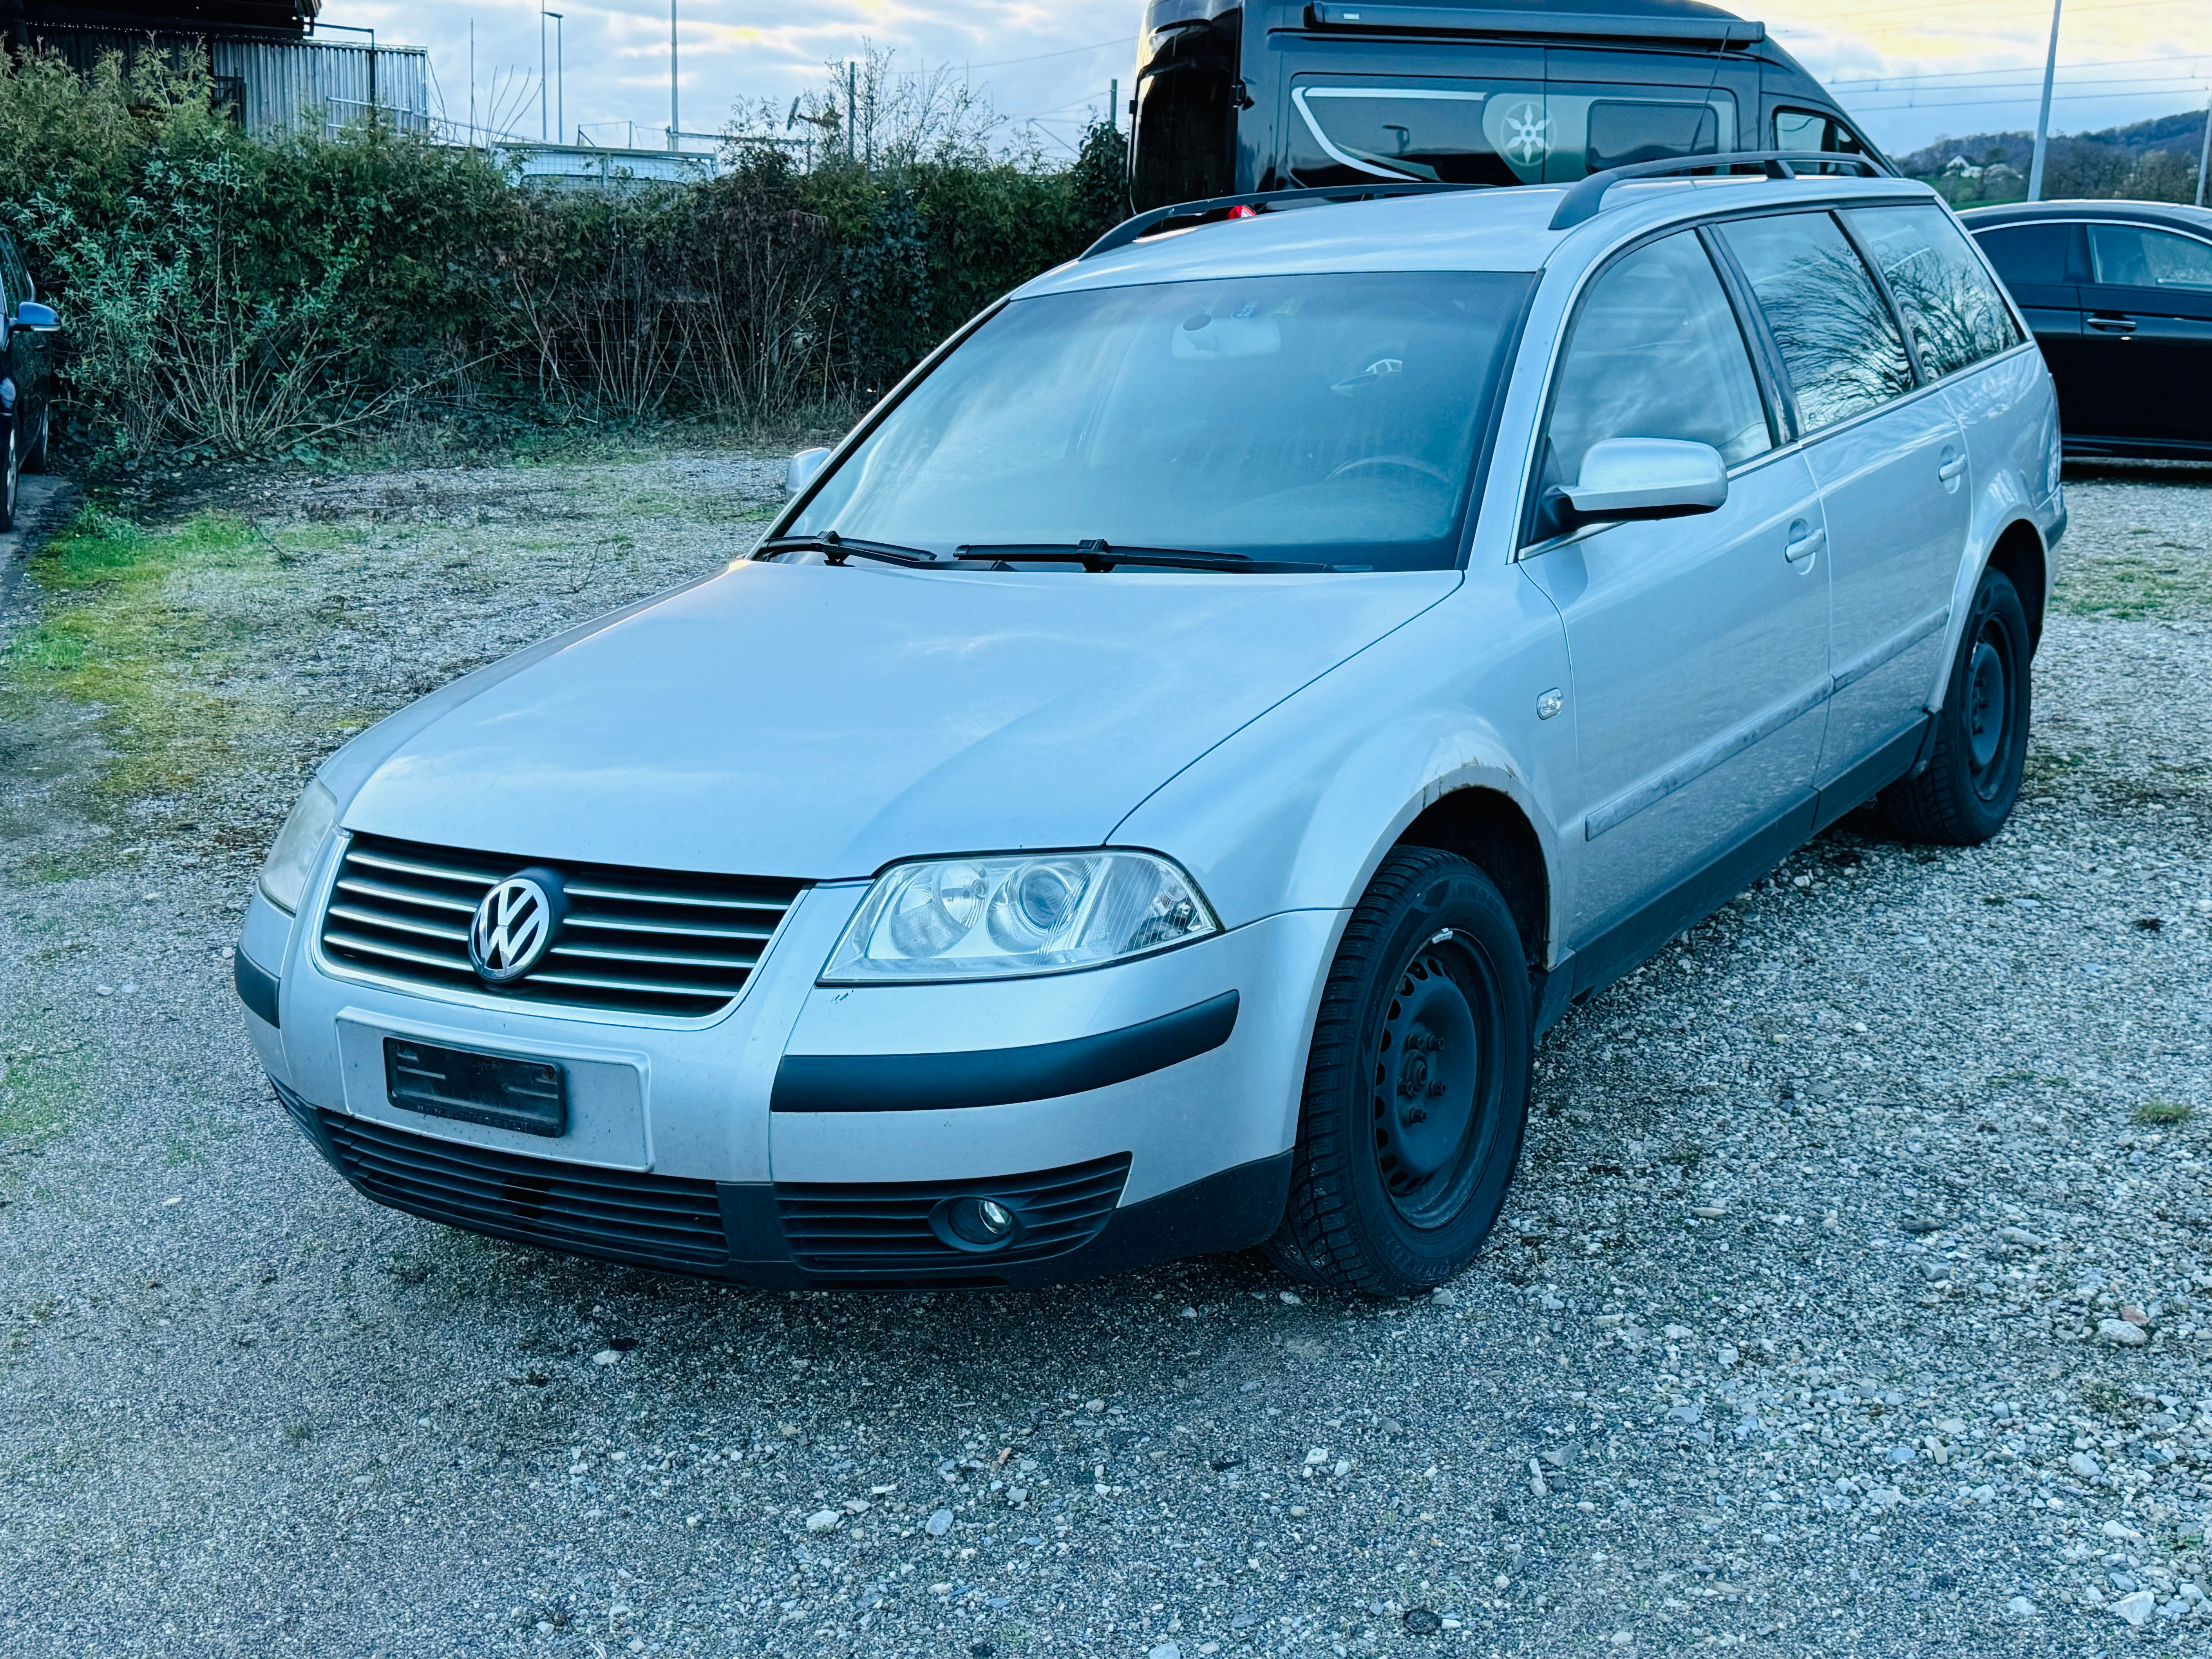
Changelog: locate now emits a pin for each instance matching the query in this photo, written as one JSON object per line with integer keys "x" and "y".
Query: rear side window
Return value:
{"x": 1655, "y": 353}
{"x": 2134, "y": 256}
{"x": 1836, "y": 336}
{"x": 2028, "y": 255}
{"x": 1957, "y": 314}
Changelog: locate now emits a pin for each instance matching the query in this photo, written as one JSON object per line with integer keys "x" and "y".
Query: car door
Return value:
{"x": 1891, "y": 462}
{"x": 1699, "y": 645}
{"x": 2147, "y": 325}
{"x": 30, "y": 353}
{"x": 2043, "y": 262}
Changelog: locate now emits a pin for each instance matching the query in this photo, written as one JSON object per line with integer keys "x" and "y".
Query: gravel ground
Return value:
{"x": 1856, "y": 1297}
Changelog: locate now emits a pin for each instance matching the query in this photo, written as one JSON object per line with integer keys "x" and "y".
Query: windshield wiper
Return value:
{"x": 836, "y": 549}
{"x": 1097, "y": 555}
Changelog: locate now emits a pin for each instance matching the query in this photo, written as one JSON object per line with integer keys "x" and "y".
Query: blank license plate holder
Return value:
{"x": 527, "y": 1095}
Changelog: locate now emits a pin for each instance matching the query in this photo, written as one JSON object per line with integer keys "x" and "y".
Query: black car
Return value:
{"x": 2119, "y": 294}
{"x": 1278, "y": 94}
{"x": 26, "y": 328}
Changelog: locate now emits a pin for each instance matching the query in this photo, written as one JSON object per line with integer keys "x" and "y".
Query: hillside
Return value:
{"x": 2147, "y": 161}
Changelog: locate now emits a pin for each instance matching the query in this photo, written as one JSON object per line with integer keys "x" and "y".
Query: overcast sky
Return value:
{"x": 1913, "y": 72}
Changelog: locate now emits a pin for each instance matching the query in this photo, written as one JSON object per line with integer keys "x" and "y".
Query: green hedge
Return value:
{"x": 226, "y": 297}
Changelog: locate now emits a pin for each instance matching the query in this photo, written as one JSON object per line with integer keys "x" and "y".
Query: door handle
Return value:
{"x": 1951, "y": 468}
{"x": 2112, "y": 324}
{"x": 1805, "y": 543}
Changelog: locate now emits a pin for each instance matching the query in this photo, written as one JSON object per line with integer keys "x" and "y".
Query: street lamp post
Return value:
{"x": 673, "y": 123}
{"x": 560, "y": 77}
{"x": 540, "y": 72}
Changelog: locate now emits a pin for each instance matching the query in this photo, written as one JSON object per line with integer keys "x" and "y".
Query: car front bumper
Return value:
{"x": 807, "y": 1135}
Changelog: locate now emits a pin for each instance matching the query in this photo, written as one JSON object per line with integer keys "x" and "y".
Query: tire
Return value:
{"x": 8, "y": 481}
{"x": 1981, "y": 732}
{"x": 1406, "y": 1147}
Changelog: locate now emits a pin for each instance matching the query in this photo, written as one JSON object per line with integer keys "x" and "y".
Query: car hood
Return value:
{"x": 817, "y": 722}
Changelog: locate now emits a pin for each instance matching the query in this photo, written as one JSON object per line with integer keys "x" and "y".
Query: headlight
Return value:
{"x": 284, "y": 872}
{"x": 997, "y": 917}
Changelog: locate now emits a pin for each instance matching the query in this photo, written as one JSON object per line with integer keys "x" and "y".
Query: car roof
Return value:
{"x": 1506, "y": 229}
{"x": 2176, "y": 214}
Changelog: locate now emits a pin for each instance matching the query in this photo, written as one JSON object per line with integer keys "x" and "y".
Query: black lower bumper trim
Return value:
{"x": 256, "y": 987}
{"x": 999, "y": 1077}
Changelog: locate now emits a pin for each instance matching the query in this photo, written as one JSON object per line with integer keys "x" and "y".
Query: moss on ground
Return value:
{"x": 39, "y": 1094}
{"x": 122, "y": 640}
{"x": 2162, "y": 580}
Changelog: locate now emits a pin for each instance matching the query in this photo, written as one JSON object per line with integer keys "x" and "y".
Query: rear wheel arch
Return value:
{"x": 2019, "y": 554}
{"x": 1488, "y": 829}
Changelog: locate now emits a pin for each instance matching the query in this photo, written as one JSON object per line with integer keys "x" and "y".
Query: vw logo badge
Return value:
{"x": 514, "y": 925}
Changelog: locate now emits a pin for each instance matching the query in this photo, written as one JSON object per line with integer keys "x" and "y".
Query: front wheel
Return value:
{"x": 1417, "y": 1087}
{"x": 1981, "y": 732}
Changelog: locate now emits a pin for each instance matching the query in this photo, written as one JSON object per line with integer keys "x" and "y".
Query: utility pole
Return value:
{"x": 1114, "y": 106}
{"x": 472, "y": 80}
{"x": 2043, "y": 117}
{"x": 2204, "y": 155}
{"x": 560, "y": 78}
{"x": 541, "y": 71}
{"x": 673, "y": 123}
{"x": 852, "y": 114}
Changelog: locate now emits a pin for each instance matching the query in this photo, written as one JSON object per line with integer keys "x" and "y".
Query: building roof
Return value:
{"x": 210, "y": 18}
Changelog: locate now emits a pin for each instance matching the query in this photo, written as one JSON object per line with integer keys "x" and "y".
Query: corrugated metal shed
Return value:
{"x": 291, "y": 85}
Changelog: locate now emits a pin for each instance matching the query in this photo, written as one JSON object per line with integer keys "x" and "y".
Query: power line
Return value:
{"x": 1070, "y": 52}
{"x": 1961, "y": 75}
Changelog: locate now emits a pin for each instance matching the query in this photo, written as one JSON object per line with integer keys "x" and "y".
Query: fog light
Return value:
{"x": 974, "y": 1223}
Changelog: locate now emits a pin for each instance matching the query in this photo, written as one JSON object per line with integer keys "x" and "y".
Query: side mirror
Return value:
{"x": 803, "y": 468}
{"x": 1648, "y": 479}
{"x": 37, "y": 316}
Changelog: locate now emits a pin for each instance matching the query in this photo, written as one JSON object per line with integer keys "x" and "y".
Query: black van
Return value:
{"x": 1277, "y": 95}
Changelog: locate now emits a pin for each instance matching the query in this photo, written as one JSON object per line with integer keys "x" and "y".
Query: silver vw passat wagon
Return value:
{"x": 1167, "y": 764}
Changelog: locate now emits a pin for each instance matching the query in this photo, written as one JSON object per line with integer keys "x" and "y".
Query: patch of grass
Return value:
{"x": 122, "y": 639}
{"x": 2163, "y": 1111}
{"x": 2132, "y": 587}
{"x": 39, "y": 1094}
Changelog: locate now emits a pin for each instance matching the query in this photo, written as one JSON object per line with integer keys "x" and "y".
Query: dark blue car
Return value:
{"x": 26, "y": 372}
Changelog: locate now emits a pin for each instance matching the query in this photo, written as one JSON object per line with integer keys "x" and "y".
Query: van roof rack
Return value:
{"x": 1584, "y": 200}
{"x": 1264, "y": 201}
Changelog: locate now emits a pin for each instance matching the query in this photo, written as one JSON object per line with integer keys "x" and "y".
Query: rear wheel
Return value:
{"x": 1981, "y": 732}
{"x": 1417, "y": 1087}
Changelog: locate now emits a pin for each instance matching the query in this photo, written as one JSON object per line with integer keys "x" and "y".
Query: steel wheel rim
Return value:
{"x": 1988, "y": 710}
{"x": 1433, "y": 1083}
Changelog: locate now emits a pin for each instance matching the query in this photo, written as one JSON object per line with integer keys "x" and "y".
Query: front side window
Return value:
{"x": 1325, "y": 419}
{"x": 1837, "y": 338}
{"x": 1816, "y": 130}
{"x": 1655, "y": 353}
{"x": 1492, "y": 132}
{"x": 1956, "y": 312}
{"x": 2134, "y": 256}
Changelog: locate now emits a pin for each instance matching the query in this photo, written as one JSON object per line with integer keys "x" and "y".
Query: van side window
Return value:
{"x": 1952, "y": 306}
{"x": 1655, "y": 353}
{"x": 2134, "y": 256}
{"x": 1837, "y": 338}
{"x": 1816, "y": 129}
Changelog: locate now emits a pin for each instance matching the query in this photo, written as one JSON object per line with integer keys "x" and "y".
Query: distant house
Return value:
{"x": 1959, "y": 167}
{"x": 268, "y": 66}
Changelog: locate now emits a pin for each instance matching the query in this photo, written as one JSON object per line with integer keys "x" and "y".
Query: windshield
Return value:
{"x": 1328, "y": 419}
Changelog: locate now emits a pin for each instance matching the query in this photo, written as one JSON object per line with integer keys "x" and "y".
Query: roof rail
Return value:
{"x": 1221, "y": 207}
{"x": 1586, "y": 198}
{"x": 1369, "y": 18}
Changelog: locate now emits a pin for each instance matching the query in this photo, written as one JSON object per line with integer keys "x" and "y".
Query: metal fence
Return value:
{"x": 296, "y": 85}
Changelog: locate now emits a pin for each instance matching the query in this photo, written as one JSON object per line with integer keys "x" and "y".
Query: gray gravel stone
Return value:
{"x": 417, "y": 1454}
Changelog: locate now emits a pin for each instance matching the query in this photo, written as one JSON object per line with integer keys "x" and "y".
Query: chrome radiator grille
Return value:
{"x": 641, "y": 941}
